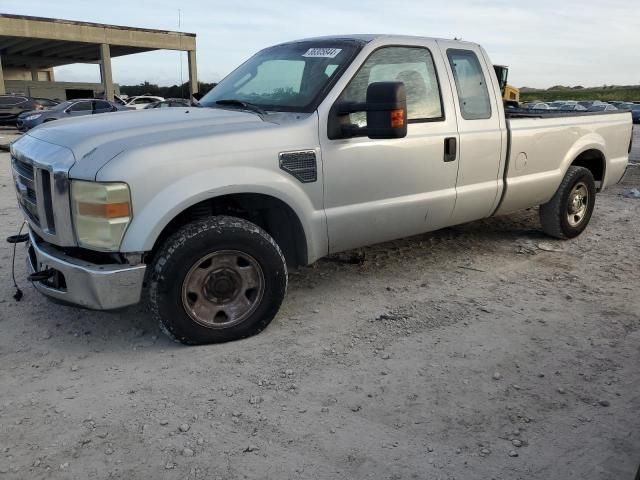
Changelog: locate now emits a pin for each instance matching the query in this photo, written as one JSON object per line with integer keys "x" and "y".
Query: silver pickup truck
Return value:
{"x": 307, "y": 149}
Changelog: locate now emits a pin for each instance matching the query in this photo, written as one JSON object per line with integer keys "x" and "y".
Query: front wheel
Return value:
{"x": 217, "y": 280}
{"x": 568, "y": 212}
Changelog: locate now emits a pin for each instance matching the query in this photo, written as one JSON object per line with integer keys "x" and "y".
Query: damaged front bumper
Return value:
{"x": 79, "y": 282}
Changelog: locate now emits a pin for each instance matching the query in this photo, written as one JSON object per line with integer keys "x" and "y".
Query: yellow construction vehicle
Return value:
{"x": 510, "y": 94}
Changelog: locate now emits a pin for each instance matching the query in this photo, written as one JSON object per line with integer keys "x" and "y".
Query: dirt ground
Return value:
{"x": 484, "y": 351}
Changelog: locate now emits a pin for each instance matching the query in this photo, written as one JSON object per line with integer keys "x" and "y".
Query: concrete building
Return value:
{"x": 31, "y": 46}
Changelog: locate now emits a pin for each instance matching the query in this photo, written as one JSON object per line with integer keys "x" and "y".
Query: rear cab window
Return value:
{"x": 471, "y": 85}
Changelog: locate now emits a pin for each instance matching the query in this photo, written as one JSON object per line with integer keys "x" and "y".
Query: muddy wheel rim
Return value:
{"x": 223, "y": 288}
{"x": 578, "y": 204}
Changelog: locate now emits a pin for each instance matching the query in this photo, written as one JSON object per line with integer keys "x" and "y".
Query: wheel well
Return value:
{"x": 269, "y": 213}
{"x": 594, "y": 161}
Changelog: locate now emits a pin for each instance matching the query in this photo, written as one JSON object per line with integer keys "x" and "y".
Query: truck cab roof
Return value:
{"x": 364, "y": 38}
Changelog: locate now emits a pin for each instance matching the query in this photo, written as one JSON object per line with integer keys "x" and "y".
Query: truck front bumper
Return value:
{"x": 90, "y": 285}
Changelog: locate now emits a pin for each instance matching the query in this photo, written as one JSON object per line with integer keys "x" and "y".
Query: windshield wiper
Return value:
{"x": 239, "y": 103}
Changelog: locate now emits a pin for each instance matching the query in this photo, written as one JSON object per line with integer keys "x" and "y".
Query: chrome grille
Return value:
{"x": 40, "y": 173}
{"x": 24, "y": 177}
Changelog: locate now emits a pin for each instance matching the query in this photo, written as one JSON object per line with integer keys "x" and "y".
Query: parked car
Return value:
{"x": 170, "y": 102}
{"x": 141, "y": 101}
{"x": 572, "y": 107}
{"x": 556, "y": 104}
{"x": 289, "y": 162}
{"x": 538, "y": 106}
{"x": 601, "y": 108}
{"x": 635, "y": 112}
{"x": 591, "y": 103}
{"x": 13, "y": 105}
{"x": 68, "y": 109}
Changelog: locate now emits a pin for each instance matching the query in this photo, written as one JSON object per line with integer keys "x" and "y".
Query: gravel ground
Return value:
{"x": 477, "y": 352}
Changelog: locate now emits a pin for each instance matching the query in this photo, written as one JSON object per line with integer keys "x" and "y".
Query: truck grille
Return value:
{"x": 33, "y": 188}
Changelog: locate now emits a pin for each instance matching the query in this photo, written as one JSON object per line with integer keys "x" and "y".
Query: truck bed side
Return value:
{"x": 542, "y": 147}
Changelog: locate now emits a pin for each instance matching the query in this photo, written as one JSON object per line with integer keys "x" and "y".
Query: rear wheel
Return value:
{"x": 217, "y": 280}
{"x": 567, "y": 214}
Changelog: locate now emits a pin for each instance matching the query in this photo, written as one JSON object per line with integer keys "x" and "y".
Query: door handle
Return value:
{"x": 450, "y": 149}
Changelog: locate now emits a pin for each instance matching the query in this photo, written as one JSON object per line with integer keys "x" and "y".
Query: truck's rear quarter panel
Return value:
{"x": 543, "y": 148}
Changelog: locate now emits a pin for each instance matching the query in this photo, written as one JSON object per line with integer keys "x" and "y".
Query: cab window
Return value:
{"x": 412, "y": 66}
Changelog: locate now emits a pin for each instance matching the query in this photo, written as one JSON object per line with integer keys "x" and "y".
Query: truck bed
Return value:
{"x": 542, "y": 145}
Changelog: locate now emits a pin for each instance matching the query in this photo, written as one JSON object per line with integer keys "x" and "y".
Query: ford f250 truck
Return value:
{"x": 307, "y": 149}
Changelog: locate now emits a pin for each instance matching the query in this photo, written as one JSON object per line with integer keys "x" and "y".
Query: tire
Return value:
{"x": 216, "y": 280}
{"x": 563, "y": 218}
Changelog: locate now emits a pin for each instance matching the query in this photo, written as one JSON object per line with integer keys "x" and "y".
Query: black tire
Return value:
{"x": 554, "y": 215}
{"x": 184, "y": 251}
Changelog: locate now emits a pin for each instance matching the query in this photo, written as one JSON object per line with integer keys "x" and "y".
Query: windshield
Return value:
{"x": 292, "y": 77}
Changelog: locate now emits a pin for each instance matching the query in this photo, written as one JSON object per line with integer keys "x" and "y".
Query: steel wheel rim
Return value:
{"x": 223, "y": 288}
{"x": 578, "y": 204}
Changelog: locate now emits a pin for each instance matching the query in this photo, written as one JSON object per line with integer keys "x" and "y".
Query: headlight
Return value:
{"x": 33, "y": 117}
{"x": 101, "y": 213}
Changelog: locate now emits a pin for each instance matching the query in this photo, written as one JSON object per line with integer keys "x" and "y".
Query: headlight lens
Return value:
{"x": 33, "y": 117}
{"x": 101, "y": 213}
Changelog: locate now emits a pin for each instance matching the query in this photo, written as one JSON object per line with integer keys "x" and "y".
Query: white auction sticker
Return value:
{"x": 322, "y": 52}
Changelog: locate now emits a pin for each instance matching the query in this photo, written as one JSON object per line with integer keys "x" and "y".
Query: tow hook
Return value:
{"x": 41, "y": 275}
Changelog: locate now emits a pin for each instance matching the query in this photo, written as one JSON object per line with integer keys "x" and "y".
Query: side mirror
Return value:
{"x": 386, "y": 109}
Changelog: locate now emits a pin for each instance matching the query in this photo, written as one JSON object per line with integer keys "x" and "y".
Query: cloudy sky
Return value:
{"x": 545, "y": 42}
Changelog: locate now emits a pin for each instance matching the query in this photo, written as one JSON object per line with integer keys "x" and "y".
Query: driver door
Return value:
{"x": 379, "y": 190}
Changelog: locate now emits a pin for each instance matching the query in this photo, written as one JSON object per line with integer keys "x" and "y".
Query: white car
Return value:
{"x": 309, "y": 148}
{"x": 141, "y": 101}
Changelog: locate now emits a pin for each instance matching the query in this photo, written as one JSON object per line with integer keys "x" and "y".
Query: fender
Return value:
{"x": 591, "y": 141}
{"x": 189, "y": 190}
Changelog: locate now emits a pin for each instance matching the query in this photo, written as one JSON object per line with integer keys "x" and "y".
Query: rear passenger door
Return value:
{"x": 482, "y": 130}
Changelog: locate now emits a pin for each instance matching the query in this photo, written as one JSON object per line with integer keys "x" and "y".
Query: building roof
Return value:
{"x": 48, "y": 42}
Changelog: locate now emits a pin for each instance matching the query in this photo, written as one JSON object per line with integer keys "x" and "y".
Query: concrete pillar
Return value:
{"x": 34, "y": 74}
{"x": 2, "y": 90}
{"x": 193, "y": 73}
{"x": 105, "y": 71}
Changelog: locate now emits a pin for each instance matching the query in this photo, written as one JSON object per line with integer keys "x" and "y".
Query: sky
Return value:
{"x": 544, "y": 42}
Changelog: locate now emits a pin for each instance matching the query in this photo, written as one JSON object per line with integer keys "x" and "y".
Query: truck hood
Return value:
{"x": 97, "y": 139}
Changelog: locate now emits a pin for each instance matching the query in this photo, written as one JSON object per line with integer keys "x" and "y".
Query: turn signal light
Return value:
{"x": 104, "y": 210}
{"x": 397, "y": 118}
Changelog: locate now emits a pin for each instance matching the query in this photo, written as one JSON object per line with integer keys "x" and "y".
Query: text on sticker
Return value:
{"x": 322, "y": 52}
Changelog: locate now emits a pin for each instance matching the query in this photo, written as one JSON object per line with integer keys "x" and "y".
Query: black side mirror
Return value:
{"x": 386, "y": 109}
